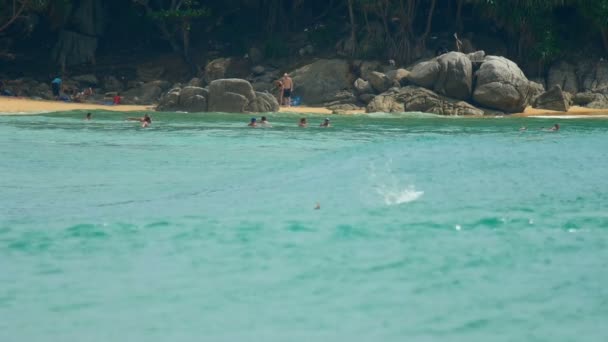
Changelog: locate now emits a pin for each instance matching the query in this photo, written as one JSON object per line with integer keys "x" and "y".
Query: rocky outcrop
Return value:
{"x": 362, "y": 86}
{"x": 455, "y": 77}
{"x": 416, "y": 99}
{"x": 263, "y": 103}
{"x": 553, "y": 99}
{"x": 536, "y": 89}
{"x": 397, "y": 77}
{"x": 424, "y": 74}
{"x": 319, "y": 82}
{"x": 379, "y": 82}
{"x": 223, "y": 95}
{"x": 500, "y": 84}
{"x": 563, "y": 74}
{"x": 450, "y": 74}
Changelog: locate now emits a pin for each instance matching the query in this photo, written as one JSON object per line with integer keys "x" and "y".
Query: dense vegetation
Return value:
{"x": 72, "y": 32}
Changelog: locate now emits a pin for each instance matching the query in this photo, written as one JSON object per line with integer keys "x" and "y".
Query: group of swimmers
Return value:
{"x": 303, "y": 123}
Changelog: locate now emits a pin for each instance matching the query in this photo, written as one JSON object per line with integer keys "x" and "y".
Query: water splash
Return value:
{"x": 395, "y": 197}
{"x": 391, "y": 188}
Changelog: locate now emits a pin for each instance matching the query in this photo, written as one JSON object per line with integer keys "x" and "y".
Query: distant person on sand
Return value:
{"x": 117, "y": 99}
{"x": 56, "y": 86}
{"x": 88, "y": 117}
{"x": 287, "y": 89}
{"x": 145, "y": 120}
{"x": 303, "y": 123}
{"x": 253, "y": 122}
{"x": 325, "y": 123}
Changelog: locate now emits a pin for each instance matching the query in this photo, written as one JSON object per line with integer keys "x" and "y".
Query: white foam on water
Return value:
{"x": 396, "y": 196}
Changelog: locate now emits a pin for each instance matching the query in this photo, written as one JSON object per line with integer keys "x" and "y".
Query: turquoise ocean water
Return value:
{"x": 201, "y": 229}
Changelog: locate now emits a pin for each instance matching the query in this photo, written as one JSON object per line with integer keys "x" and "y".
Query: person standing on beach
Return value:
{"x": 56, "y": 86}
{"x": 287, "y": 90}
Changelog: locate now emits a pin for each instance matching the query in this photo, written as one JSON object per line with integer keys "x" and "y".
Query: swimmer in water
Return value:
{"x": 264, "y": 122}
{"x": 318, "y": 206}
{"x": 555, "y": 128}
{"x": 253, "y": 122}
{"x": 325, "y": 123}
{"x": 88, "y": 117}
{"x": 303, "y": 123}
{"x": 145, "y": 120}
{"x": 523, "y": 128}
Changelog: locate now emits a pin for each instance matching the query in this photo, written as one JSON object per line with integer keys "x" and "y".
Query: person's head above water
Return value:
{"x": 264, "y": 118}
{"x": 253, "y": 120}
{"x": 147, "y": 118}
{"x": 303, "y": 120}
{"x": 88, "y": 115}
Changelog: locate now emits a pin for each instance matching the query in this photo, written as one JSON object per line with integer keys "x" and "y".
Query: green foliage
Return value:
{"x": 547, "y": 48}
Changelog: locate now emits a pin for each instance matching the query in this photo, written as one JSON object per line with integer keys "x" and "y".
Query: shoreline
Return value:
{"x": 25, "y": 106}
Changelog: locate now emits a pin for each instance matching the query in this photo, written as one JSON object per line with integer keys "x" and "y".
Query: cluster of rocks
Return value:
{"x": 451, "y": 84}
{"x": 230, "y": 95}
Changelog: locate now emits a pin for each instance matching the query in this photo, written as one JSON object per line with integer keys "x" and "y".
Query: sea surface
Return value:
{"x": 202, "y": 229}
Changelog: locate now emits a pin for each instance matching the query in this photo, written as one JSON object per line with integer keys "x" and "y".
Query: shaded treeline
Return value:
{"x": 533, "y": 32}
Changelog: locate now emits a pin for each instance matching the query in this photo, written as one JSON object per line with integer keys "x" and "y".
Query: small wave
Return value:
{"x": 395, "y": 197}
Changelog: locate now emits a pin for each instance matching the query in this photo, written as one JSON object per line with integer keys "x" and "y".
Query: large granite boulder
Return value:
{"x": 193, "y": 99}
{"x": 563, "y": 74}
{"x": 500, "y": 84}
{"x": 318, "y": 83}
{"x": 450, "y": 74}
{"x": 424, "y": 74}
{"x": 222, "y": 95}
{"x": 379, "y": 82}
{"x": 169, "y": 101}
{"x": 553, "y": 99}
{"x": 455, "y": 77}
{"x": 263, "y": 103}
{"x": 417, "y": 99}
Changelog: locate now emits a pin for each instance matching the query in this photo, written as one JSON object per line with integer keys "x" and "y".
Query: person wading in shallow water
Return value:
{"x": 145, "y": 120}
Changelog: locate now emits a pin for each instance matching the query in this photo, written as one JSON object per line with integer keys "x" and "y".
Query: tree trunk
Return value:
{"x": 353, "y": 28}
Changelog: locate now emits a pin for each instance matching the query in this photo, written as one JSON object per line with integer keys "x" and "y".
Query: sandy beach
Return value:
{"x": 16, "y": 105}
{"x": 24, "y": 106}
